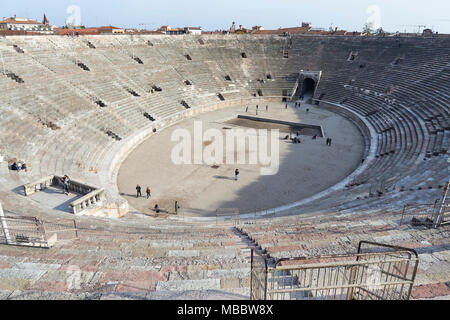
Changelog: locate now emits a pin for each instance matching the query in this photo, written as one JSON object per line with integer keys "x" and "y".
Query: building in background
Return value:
{"x": 26, "y": 25}
{"x": 110, "y": 30}
{"x": 177, "y": 31}
{"x": 193, "y": 30}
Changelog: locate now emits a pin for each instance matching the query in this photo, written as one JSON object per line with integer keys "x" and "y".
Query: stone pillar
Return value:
{"x": 4, "y": 226}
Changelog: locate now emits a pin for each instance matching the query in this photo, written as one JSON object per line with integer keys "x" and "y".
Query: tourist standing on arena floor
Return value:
{"x": 148, "y": 192}
{"x": 236, "y": 174}
{"x": 138, "y": 191}
{"x": 176, "y": 207}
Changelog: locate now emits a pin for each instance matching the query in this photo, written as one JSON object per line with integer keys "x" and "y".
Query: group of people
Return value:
{"x": 257, "y": 108}
{"x": 139, "y": 192}
{"x": 19, "y": 166}
{"x": 148, "y": 192}
{"x": 297, "y": 139}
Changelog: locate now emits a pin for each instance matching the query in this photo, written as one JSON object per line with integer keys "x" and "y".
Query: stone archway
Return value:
{"x": 308, "y": 86}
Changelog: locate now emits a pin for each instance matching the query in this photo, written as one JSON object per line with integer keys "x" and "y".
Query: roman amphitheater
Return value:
{"x": 364, "y": 218}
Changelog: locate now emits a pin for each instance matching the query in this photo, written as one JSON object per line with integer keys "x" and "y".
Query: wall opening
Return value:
{"x": 14, "y": 77}
{"x": 132, "y": 92}
{"x": 18, "y": 49}
{"x": 138, "y": 60}
{"x": 90, "y": 45}
{"x": 148, "y": 116}
{"x": 184, "y": 104}
{"x": 83, "y": 66}
{"x": 100, "y": 103}
{"x": 113, "y": 135}
{"x": 284, "y": 93}
{"x": 352, "y": 56}
{"x": 308, "y": 86}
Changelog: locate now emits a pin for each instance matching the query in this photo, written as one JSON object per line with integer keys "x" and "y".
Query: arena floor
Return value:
{"x": 305, "y": 169}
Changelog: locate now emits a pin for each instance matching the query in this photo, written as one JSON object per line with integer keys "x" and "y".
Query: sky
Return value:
{"x": 391, "y": 15}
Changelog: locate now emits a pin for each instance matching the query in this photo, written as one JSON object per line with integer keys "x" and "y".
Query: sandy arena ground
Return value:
{"x": 305, "y": 169}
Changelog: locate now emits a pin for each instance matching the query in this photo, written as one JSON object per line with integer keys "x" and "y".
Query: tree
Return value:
{"x": 380, "y": 32}
{"x": 367, "y": 29}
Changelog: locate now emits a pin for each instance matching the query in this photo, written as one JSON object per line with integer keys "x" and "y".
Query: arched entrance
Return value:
{"x": 308, "y": 87}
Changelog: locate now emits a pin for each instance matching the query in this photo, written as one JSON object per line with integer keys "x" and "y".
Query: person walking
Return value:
{"x": 246, "y": 109}
{"x": 176, "y": 207}
{"x": 267, "y": 108}
{"x": 148, "y": 192}
{"x": 286, "y": 106}
{"x": 138, "y": 191}
{"x": 236, "y": 174}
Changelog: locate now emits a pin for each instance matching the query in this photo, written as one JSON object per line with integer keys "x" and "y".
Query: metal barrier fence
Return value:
{"x": 427, "y": 210}
{"x": 431, "y": 215}
{"x": 31, "y": 231}
{"x": 225, "y": 215}
{"x": 23, "y": 231}
{"x": 386, "y": 274}
{"x": 264, "y": 212}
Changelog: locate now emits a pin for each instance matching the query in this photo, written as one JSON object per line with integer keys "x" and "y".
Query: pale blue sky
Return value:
{"x": 213, "y": 15}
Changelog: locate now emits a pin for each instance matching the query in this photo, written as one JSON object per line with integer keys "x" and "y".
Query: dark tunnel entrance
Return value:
{"x": 308, "y": 87}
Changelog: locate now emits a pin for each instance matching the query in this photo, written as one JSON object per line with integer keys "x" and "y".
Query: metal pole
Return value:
{"x": 3, "y": 63}
{"x": 4, "y": 226}
{"x": 441, "y": 208}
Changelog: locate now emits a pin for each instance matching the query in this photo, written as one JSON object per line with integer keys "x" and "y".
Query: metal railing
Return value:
{"x": 227, "y": 215}
{"x": 264, "y": 213}
{"x": 31, "y": 231}
{"x": 27, "y": 231}
{"x": 386, "y": 274}
{"x": 427, "y": 210}
{"x": 430, "y": 215}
